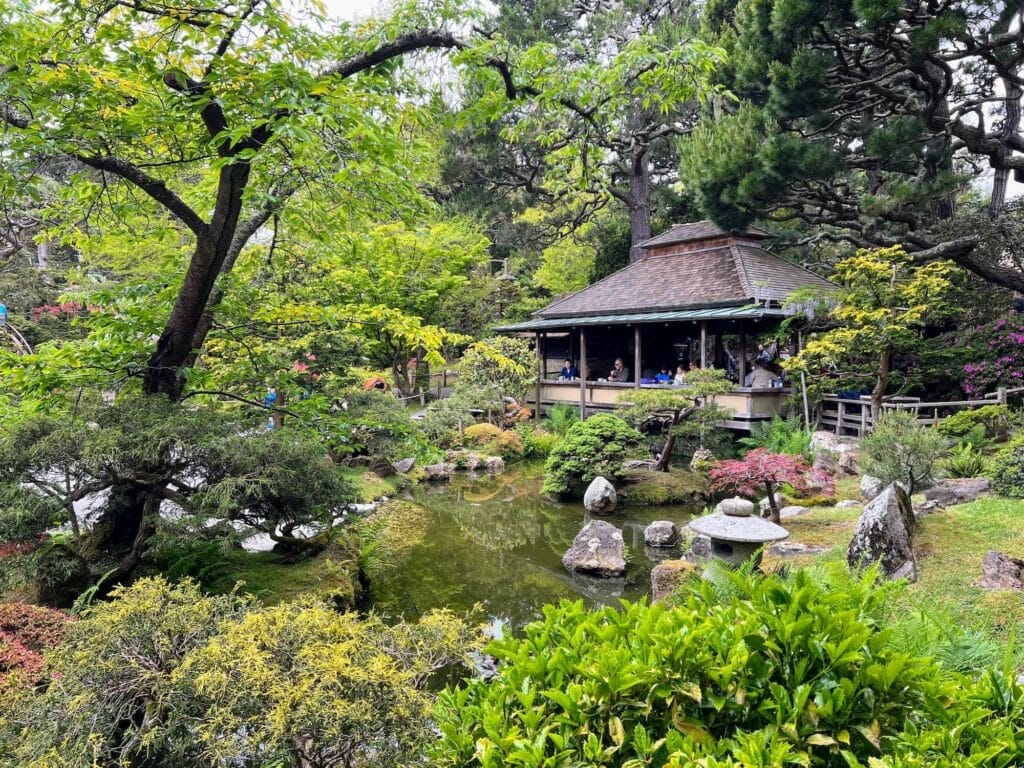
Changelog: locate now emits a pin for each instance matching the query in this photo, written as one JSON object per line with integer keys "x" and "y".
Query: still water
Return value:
{"x": 497, "y": 542}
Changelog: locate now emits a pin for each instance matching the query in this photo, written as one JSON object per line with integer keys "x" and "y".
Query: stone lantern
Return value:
{"x": 736, "y": 534}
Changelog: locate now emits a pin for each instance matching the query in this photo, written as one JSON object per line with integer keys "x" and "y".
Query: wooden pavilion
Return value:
{"x": 698, "y": 294}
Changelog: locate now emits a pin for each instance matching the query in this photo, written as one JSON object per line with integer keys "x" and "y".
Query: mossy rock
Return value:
{"x": 645, "y": 488}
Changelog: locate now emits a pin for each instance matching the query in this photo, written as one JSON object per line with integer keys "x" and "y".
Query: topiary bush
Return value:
{"x": 763, "y": 672}
{"x": 597, "y": 446}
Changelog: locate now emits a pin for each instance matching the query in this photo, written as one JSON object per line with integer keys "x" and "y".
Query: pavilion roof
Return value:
{"x": 736, "y": 273}
{"x": 699, "y": 230}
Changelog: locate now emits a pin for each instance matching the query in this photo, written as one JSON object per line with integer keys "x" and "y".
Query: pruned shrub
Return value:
{"x": 1007, "y": 471}
{"x": 597, "y": 446}
{"x": 25, "y": 632}
{"x": 996, "y": 422}
{"x": 900, "y": 449}
{"x": 495, "y": 440}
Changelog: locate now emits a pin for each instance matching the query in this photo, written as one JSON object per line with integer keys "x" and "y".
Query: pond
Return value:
{"x": 497, "y": 542}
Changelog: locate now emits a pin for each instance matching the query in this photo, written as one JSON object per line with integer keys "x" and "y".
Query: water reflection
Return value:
{"x": 497, "y": 542}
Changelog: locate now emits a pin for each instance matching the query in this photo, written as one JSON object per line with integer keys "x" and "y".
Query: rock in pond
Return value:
{"x": 597, "y": 550}
{"x": 668, "y": 575}
{"x": 884, "y": 534}
{"x": 600, "y": 498}
{"x": 999, "y": 571}
{"x": 961, "y": 490}
{"x": 441, "y": 471}
{"x": 661, "y": 533}
{"x": 494, "y": 465}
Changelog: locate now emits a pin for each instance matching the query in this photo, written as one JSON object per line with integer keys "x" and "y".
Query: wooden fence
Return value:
{"x": 854, "y": 416}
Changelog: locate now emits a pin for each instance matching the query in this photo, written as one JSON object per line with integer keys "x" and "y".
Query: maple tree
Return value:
{"x": 763, "y": 471}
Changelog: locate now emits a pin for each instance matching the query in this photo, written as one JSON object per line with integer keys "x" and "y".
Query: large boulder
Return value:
{"x": 600, "y": 498}
{"x": 870, "y": 487}
{"x": 669, "y": 574}
{"x": 885, "y": 534}
{"x": 957, "y": 491}
{"x": 849, "y": 463}
{"x": 494, "y": 465}
{"x": 999, "y": 571}
{"x": 661, "y": 533}
{"x": 830, "y": 442}
{"x": 597, "y": 550}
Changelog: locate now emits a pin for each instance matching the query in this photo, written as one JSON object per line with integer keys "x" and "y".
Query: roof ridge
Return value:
{"x": 801, "y": 267}
{"x": 741, "y": 268}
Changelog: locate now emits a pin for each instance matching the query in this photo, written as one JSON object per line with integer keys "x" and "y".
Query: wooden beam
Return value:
{"x": 703, "y": 344}
{"x": 636, "y": 356}
{"x": 743, "y": 357}
{"x": 540, "y": 337}
{"x": 583, "y": 373}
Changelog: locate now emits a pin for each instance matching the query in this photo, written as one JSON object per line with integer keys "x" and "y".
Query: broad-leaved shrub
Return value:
{"x": 770, "y": 672}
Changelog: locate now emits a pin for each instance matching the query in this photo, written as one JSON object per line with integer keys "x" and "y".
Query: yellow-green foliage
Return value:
{"x": 487, "y": 437}
{"x": 164, "y": 675}
{"x": 883, "y": 301}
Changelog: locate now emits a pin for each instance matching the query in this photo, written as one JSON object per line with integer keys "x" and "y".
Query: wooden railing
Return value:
{"x": 846, "y": 415}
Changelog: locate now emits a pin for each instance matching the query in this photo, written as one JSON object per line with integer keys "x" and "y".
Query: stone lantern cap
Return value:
{"x": 739, "y": 528}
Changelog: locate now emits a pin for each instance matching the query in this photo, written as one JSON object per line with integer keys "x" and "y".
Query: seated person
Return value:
{"x": 618, "y": 372}
{"x": 680, "y": 377}
{"x": 763, "y": 355}
{"x": 760, "y": 377}
{"x": 568, "y": 372}
{"x": 664, "y": 377}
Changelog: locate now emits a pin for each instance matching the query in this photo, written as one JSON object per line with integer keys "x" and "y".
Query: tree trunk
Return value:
{"x": 775, "y": 514}
{"x": 639, "y": 204}
{"x": 678, "y": 417}
{"x": 180, "y": 338}
{"x": 881, "y": 382}
{"x": 1011, "y": 124}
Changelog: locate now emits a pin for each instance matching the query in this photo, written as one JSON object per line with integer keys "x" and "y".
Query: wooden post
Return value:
{"x": 840, "y": 413}
{"x": 423, "y": 397}
{"x": 636, "y": 356}
{"x": 743, "y": 358}
{"x": 863, "y": 421}
{"x": 1001, "y": 395}
{"x": 540, "y": 375}
{"x": 583, "y": 373}
{"x": 703, "y": 344}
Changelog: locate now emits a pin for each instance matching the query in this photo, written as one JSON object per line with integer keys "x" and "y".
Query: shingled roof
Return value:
{"x": 734, "y": 273}
{"x": 699, "y": 230}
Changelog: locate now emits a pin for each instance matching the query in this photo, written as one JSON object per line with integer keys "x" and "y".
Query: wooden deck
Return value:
{"x": 748, "y": 405}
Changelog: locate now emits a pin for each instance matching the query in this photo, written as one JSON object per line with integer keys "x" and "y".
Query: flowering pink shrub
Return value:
{"x": 1002, "y": 344}
{"x": 68, "y": 309}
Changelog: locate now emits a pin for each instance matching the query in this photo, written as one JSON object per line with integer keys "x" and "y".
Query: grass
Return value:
{"x": 950, "y": 546}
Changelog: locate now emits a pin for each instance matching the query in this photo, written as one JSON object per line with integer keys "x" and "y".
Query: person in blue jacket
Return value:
{"x": 568, "y": 372}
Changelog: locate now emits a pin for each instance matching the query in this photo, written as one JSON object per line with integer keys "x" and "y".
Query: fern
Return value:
{"x": 780, "y": 435}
